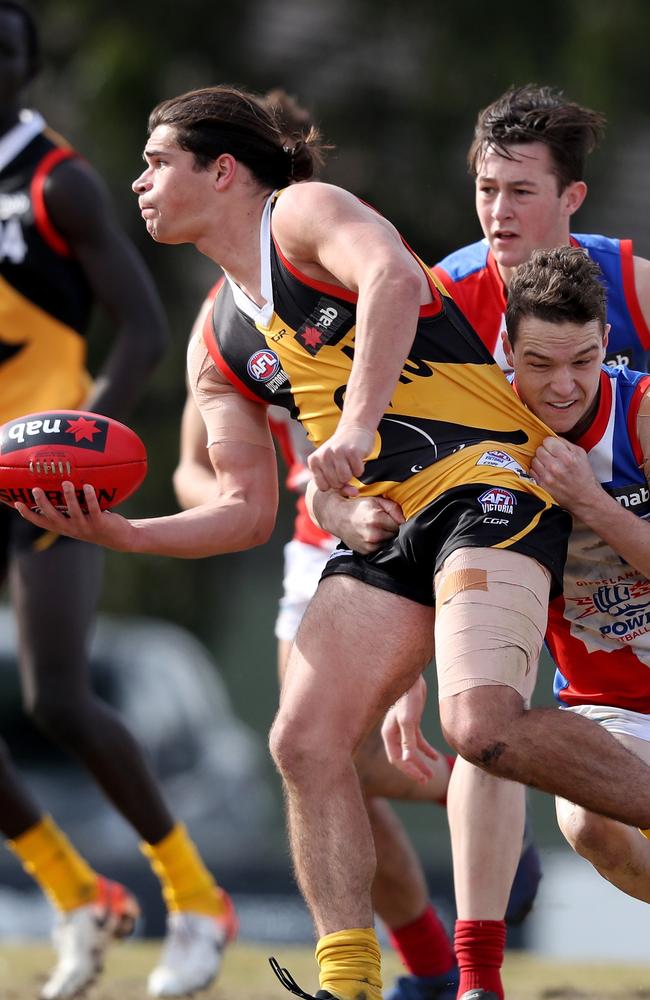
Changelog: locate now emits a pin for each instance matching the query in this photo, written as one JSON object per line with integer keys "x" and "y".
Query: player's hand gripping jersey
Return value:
{"x": 454, "y": 432}
{"x": 599, "y": 630}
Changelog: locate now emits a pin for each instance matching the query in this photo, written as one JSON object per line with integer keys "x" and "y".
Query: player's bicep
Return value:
{"x": 227, "y": 415}
{"x": 330, "y": 227}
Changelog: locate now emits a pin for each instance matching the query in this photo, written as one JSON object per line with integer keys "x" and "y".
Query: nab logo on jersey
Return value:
{"x": 496, "y": 499}
{"x": 263, "y": 365}
{"x": 326, "y": 324}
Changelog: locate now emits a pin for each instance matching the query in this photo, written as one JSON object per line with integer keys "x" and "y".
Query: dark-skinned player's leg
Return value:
{"x": 82, "y": 898}
{"x": 55, "y": 593}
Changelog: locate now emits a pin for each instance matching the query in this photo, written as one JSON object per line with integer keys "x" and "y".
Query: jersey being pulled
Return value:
{"x": 472, "y": 277}
{"x": 45, "y": 299}
{"x": 452, "y": 420}
{"x": 599, "y": 629}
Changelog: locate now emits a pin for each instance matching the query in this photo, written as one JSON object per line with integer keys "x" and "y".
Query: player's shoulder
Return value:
{"x": 466, "y": 261}
{"x": 598, "y": 245}
{"x": 308, "y": 194}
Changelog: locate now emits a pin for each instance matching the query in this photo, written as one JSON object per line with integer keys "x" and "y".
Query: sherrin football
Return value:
{"x": 46, "y": 449}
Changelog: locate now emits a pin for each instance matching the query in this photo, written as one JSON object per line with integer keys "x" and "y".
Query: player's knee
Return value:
{"x": 290, "y": 748}
{"x": 590, "y": 836}
{"x": 476, "y": 724}
{"x": 56, "y": 718}
{"x": 300, "y": 751}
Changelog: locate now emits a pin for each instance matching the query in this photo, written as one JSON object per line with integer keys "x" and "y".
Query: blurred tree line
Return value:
{"x": 396, "y": 87}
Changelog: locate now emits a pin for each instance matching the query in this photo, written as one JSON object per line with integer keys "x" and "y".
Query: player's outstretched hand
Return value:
{"x": 341, "y": 458}
{"x": 404, "y": 742}
{"x": 101, "y": 527}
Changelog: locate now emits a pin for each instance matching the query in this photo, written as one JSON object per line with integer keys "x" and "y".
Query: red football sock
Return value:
{"x": 423, "y": 945}
{"x": 451, "y": 760}
{"x": 480, "y": 945}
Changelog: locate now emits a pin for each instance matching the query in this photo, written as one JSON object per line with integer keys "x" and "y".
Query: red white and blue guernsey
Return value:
{"x": 472, "y": 278}
{"x": 599, "y": 629}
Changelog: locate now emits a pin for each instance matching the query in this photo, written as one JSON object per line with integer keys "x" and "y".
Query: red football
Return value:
{"x": 45, "y": 449}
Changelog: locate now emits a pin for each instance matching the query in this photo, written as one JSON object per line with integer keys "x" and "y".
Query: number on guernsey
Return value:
{"x": 12, "y": 242}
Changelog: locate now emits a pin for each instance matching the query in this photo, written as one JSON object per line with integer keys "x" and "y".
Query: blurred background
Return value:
{"x": 396, "y": 88}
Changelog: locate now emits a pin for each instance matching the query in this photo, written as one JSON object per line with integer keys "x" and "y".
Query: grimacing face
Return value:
{"x": 519, "y": 204}
{"x": 557, "y": 368}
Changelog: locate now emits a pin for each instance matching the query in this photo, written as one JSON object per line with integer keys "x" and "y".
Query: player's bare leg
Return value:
{"x": 399, "y": 890}
{"x": 484, "y": 811}
{"x": 59, "y": 696}
{"x": 339, "y": 682}
{"x": 488, "y": 637}
{"x": 400, "y": 894}
{"x": 620, "y": 853}
{"x": 580, "y": 761}
{"x": 486, "y": 820}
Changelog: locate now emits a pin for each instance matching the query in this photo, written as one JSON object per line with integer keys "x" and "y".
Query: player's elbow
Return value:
{"x": 253, "y": 524}
{"x": 401, "y": 282}
{"x": 261, "y": 527}
{"x": 182, "y": 484}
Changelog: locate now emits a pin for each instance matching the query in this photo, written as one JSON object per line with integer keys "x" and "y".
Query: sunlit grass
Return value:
{"x": 247, "y": 976}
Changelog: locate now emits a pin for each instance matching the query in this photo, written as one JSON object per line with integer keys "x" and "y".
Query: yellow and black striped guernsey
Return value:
{"x": 45, "y": 299}
{"x": 453, "y": 421}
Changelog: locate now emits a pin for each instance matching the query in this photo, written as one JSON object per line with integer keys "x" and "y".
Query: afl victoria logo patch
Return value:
{"x": 263, "y": 365}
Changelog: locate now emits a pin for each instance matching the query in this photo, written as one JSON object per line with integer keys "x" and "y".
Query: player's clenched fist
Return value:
{"x": 341, "y": 457}
{"x": 563, "y": 469}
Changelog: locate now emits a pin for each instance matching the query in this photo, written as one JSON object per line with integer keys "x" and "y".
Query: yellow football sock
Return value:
{"x": 186, "y": 882}
{"x": 646, "y": 833}
{"x": 350, "y": 964}
{"x": 49, "y": 857}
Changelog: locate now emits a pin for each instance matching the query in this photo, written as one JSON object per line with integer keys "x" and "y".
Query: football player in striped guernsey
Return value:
{"x": 61, "y": 251}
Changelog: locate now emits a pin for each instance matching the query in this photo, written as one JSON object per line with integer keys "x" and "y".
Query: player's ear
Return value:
{"x": 608, "y": 327}
{"x": 573, "y": 196}
{"x": 224, "y": 169}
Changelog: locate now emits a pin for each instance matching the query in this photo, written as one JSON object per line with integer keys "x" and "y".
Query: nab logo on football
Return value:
{"x": 56, "y": 429}
{"x": 495, "y": 499}
{"x": 263, "y": 365}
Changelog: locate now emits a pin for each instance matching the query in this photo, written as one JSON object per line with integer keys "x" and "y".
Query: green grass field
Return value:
{"x": 247, "y": 976}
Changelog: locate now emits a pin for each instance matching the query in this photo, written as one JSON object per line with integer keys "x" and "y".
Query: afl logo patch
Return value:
{"x": 263, "y": 365}
{"x": 496, "y": 499}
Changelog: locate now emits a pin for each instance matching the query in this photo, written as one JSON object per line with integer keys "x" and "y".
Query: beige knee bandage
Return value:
{"x": 491, "y": 610}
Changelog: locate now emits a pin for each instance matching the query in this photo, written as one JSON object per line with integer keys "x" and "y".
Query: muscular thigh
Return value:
{"x": 632, "y": 729}
{"x": 357, "y": 649}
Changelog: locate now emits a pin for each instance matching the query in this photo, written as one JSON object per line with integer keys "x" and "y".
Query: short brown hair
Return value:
{"x": 538, "y": 114}
{"x": 563, "y": 285}
{"x": 251, "y": 128}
